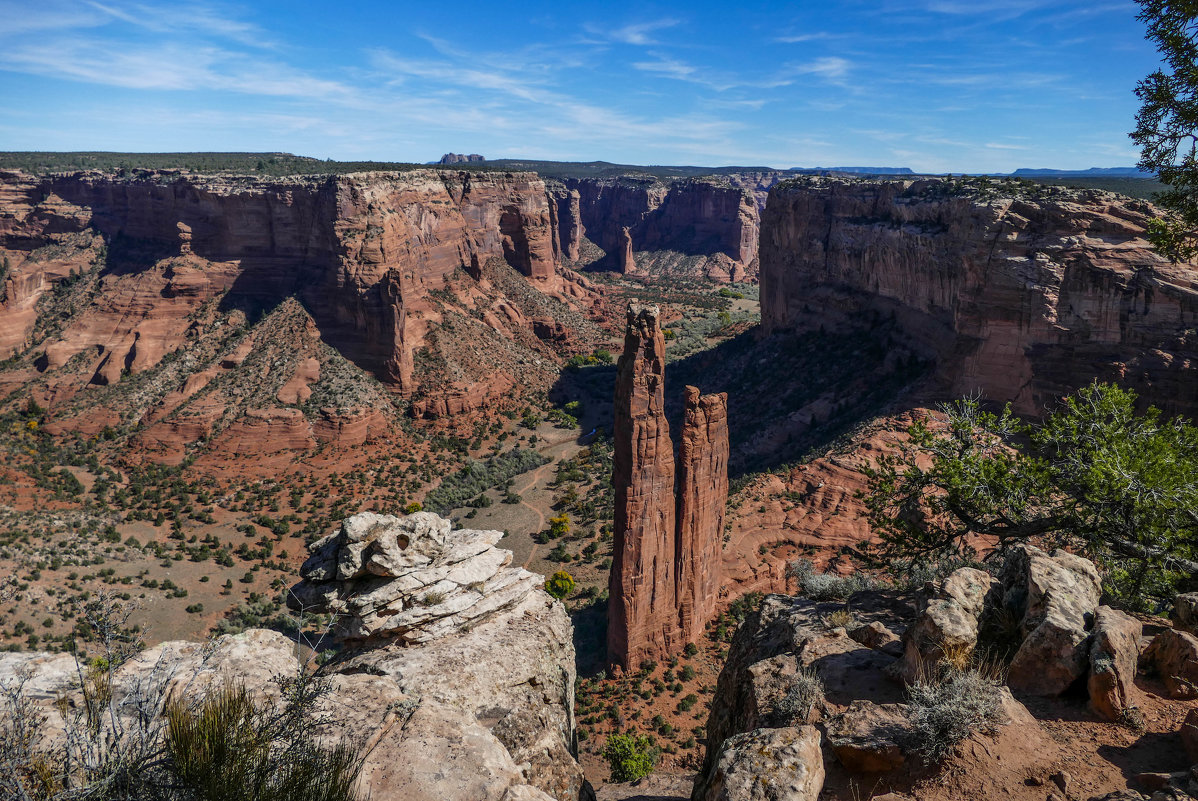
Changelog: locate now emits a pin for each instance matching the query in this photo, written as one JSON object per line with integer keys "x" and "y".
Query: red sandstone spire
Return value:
{"x": 641, "y": 605}
{"x": 664, "y": 579}
{"x": 702, "y": 497}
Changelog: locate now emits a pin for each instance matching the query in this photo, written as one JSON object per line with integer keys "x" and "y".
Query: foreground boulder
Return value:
{"x": 1175, "y": 655}
{"x": 869, "y": 724}
{"x": 1185, "y": 612}
{"x": 1114, "y": 655}
{"x": 1058, "y": 595}
{"x": 947, "y": 626}
{"x": 865, "y": 738}
{"x": 768, "y": 765}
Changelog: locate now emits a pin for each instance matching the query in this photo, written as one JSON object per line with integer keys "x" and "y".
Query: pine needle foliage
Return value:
{"x": 1095, "y": 475}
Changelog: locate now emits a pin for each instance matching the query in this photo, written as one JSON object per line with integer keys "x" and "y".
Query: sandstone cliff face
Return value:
{"x": 362, "y": 251}
{"x": 366, "y": 255}
{"x": 1022, "y": 294}
{"x": 664, "y": 580}
{"x": 705, "y": 217}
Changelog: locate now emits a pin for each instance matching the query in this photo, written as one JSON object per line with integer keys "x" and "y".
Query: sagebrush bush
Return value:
{"x": 828, "y": 586}
{"x": 943, "y": 713}
{"x": 806, "y": 694}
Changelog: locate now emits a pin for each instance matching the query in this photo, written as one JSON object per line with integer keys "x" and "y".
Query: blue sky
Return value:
{"x": 936, "y": 85}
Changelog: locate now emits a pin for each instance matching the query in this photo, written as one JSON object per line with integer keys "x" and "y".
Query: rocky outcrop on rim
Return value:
{"x": 471, "y": 699}
{"x": 409, "y": 579}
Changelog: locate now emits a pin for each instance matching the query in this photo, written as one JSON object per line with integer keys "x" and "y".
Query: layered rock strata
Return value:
{"x": 1022, "y": 293}
{"x": 363, "y": 252}
{"x": 411, "y": 579}
{"x": 442, "y": 616}
{"x": 237, "y": 302}
{"x": 664, "y": 577}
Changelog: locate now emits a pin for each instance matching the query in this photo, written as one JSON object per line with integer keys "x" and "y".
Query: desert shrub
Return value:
{"x": 944, "y": 712}
{"x": 476, "y": 477}
{"x": 805, "y": 695}
{"x": 839, "y": 618}
{"x": 630, "y": 757}
{"x": 1096, "y": 473}
{"x": 433, "y": 598}
{"x": 828, "y": 586}
{"x": 560, "y": 584}
{"x": 228, "y": 748}
{"x": 559, "y": 526}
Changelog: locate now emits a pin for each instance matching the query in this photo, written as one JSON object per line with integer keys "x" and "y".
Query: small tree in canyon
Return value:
{"x": 1094, "y": 475}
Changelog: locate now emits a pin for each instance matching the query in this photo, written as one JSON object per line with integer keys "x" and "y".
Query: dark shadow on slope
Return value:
{"x": 128, "y": 255}
{"x": 590, "y": 638}
{"x": 791, "y": 396}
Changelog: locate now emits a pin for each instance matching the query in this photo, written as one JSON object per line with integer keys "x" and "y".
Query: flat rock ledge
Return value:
{"x": 409, "y": 579}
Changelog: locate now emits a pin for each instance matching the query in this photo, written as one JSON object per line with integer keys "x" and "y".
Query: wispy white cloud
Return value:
{"x": 190, "y": 17}
{"x": 168, "y": 66}
{"x": 832, "y": 69}
{"x": 638, "y": 33}
{"x": 804, "y": 37}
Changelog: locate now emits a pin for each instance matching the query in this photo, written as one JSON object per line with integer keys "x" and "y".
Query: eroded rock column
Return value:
{"x": 642, "y": 609}
{"x": 664, "y": 582}
{"x": 702, "y": 498}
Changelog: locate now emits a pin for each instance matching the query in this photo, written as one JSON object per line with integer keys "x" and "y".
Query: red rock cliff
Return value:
{"x": 363, "y": 252}
{"x": 642, "y": 614}
{"x": 665, "y": 567}
{"x": 1021, "y": 292}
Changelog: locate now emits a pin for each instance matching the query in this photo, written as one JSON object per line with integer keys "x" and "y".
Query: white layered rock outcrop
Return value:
{"x": 411, "y": 579}
{"x": 469, "y": 698}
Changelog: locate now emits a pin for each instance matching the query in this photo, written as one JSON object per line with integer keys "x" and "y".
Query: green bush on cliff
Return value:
{"x": 630, "y": 757}
{"x": 232, "y": 748}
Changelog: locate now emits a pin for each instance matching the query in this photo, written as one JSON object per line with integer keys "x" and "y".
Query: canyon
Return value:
{"x": 664, "y": 582}
{"x": 420, "y": 279}
{"x": 230, "y": 327}
{"x": 705, "y": 226}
